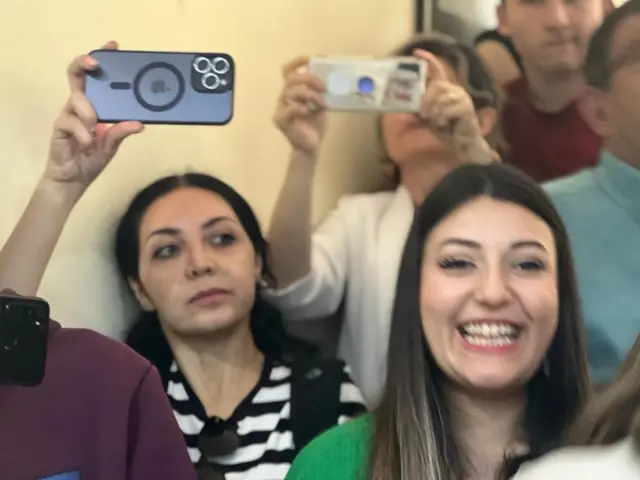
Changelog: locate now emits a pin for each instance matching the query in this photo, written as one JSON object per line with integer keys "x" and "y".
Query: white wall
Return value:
{"x": 464, "y": 18}
{"x": 478, "y": 13}
{"x": 40, "y": 37}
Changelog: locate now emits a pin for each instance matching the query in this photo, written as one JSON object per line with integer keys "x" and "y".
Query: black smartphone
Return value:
{"x": 24, "y": 334}
{"x": 173, "y": 88}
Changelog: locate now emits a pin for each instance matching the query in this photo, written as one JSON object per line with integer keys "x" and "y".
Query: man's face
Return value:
{"x": 622, "y": 100}
{"x": 551, "y": 35}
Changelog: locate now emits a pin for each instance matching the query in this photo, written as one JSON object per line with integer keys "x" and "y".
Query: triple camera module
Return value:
{"x": 211, "y": 74}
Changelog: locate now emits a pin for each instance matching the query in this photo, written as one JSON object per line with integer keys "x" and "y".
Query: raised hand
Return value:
{"x": 450, "y": 114}
{"x": 301, "y": 112}
{"x": 81, "y": 147}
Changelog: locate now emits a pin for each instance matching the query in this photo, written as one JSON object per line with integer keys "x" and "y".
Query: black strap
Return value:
{"x": 315, "y": 398}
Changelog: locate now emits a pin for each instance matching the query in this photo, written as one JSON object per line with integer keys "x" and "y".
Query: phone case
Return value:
{"x": 24, "y": 334}
{"x": 176, "y": 88}
{"x": 373, "y": 84}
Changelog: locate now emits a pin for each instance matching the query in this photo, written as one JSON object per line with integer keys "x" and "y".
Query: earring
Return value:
{"x": 546, "y": 366}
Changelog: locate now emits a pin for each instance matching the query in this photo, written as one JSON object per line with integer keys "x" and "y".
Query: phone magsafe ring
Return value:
{"x": 159, "y": 86}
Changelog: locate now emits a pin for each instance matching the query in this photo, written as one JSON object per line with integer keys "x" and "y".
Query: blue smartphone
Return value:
{"x": 171, "y": 88}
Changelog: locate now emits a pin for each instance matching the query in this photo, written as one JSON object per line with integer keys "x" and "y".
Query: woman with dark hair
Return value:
{"x": 604, "y": 441}
{"x": 354, "y": 254}
{"x": 246, "y": 395}
{"x": 499, "y": 55}
{"x": 486, "y": 362}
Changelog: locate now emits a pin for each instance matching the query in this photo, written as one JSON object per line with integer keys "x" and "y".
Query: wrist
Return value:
{"x": 309, "y": 156}
{"x": 62, "y": 194}
{"x": 304, "y": 161}
{"x": 479, "y": 152}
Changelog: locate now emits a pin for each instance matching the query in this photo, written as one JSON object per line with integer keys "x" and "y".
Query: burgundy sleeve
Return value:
{"x": 156, "y": 447}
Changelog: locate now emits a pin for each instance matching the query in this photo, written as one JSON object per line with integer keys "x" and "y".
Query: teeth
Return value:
{"x": 490, "y": 330}
{"x": 488, "y": 342}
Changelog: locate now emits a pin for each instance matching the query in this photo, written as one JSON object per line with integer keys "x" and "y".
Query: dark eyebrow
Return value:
{"x": 529, "y": 244}
{"x": 463, "y": 242}
{"x": 174, "y": 232}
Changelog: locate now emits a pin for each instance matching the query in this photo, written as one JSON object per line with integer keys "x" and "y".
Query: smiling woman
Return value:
{"x": 487, "y": 321}
{"x": 489, "y": 296}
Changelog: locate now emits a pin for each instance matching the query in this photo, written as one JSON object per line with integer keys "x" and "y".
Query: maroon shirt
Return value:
{"x": 100, "y": 414}
{"x": 545, "y": 145}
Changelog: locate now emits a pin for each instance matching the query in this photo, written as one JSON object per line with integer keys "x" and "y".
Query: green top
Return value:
{"x": 339, "y": 454}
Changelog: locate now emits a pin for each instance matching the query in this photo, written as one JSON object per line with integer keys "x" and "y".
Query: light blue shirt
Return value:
{"x": 600, "y": 207}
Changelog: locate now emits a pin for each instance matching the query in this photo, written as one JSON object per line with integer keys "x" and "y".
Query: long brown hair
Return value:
{"x": 613, "y": 413}
{"x": 413, "y": 434}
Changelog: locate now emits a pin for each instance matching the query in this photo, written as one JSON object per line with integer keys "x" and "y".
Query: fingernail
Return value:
{"x": 90, "y": 62}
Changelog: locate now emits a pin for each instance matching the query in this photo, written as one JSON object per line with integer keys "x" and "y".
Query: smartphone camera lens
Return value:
{"x": 210, "y": 81}
{"x": 202, "y": 65}
{"x": 220, "y": 65}
{"x": 411, "y": 67}
{"x": 366, "y": 85}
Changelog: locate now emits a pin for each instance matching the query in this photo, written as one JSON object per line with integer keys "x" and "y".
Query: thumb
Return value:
{"x": 118, "y": 132}
{"x": 436, "y": 66}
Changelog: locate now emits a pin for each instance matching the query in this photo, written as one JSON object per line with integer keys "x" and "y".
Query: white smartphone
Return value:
{"x": 385, "y": 85}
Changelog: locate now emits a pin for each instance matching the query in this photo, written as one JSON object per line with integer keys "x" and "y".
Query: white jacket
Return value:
{"x": 356, "y": 255}
{"x": 620, "y": 461}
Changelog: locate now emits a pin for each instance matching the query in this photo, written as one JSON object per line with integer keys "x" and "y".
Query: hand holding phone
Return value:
{"x": 80, "y": 147}
{"x": 24, "y": 334}
{"x": 386, "y": 85}
{"x": 174, "y": 88}
{"x": 449, "y": 112}
{"x": 301, "y": 113}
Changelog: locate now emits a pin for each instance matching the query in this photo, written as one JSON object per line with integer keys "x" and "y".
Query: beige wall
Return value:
{"x": 40, "y": 38}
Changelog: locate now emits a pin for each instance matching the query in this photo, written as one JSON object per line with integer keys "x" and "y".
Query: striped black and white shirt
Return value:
{"x": 262, "y": 422}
